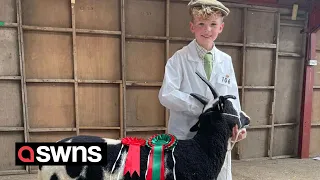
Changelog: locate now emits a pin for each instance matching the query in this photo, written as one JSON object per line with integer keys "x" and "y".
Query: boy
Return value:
{"x": 199, "y": 55}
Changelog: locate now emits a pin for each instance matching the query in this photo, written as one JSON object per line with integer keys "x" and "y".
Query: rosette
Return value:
{"x": 158, "y": 144}
{"x": 133, "y": 158}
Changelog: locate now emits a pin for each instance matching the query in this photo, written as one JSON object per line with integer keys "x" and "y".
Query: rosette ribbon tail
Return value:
{"x": 133, "y": 160}
{"x": 133, "y": 157}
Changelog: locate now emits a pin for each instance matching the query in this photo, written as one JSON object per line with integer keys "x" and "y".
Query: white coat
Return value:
{"x": 180, "y": 80}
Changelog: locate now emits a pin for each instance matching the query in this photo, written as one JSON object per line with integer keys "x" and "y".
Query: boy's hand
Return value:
{"x": 242, "y": 135}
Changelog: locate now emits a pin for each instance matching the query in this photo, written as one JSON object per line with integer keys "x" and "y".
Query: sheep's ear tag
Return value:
{"x": 200, "y": 98}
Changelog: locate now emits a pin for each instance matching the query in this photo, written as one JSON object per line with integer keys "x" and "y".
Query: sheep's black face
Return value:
{"x": 222, "y": 105}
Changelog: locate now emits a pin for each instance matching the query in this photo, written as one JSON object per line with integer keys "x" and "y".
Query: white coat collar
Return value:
{"x": 193, "y": 54}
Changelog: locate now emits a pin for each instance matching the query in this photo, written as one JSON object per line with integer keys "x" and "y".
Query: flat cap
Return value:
{"x": 213, "y": 3}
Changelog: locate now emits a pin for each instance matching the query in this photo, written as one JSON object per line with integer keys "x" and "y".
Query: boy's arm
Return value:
{"x": 170, "y": 95}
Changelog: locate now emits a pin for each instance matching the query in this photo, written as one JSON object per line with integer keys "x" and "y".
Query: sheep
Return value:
{"x": 198, "y": 158}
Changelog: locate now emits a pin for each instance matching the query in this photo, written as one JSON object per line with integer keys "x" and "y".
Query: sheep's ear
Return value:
{"x": 200, "y": 98}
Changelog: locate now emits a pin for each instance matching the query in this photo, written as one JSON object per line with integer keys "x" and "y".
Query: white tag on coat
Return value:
{"x": 225, "y": 80}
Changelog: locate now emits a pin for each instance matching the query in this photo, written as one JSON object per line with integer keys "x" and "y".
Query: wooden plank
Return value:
{"x": 97, "y": 14}
{"x": 291, "y": 40}
{"x": 10, "y": 77}
{"x": 314, "y": 141}
{"x": 8, "y": 11}
{"x": 289, "y": 83}
{"x": 50, "y": 80}
{"x": 55, "y": 13}
{"x": 45, "y": 130}
{"x": 256, "y": 104}
{"x": 51, "y": 136}
{"x": 8, "y": 25}
{"x": 57, "y": 65}
{"x": 258, "y": 137}
{"x": 141, "y": 37}
{"x": 144, "y": 61}
{"x": 9, "y": 59}
{"x": 259, "y": 87}
{"x": 315, "y": 117}
{"x": 285, "y": 124}
{"x": 285, "y": 141}
{"x": 243, "y": 71}
{"x": 100, "y": 81}
{"x": 166, "y": 113}
{"x": 50, "y": 29}
{"x": 139, "y": 83}
{"x": 141, "y": 12}
{"x": 179, "y": 20}
{"x": 51, "y": 105}
{"x": 98, "y": 57}
{"x": 97, "y": 128}
{"x": 91, "y": 31}
{"x": 262, "y": 45}
{"x": 259, "y": 127}
{"x": 259, "y": 32}
{"x": 139, "y": 129}
{"x": 123, "y": 90}
{"x": 23, "y": 74}
{"x": 286, "y": 54}
{"x": 13, "y": 172}
{"x": 113, "y": 134}
{"x": 75, "y": 66}
{"x": 99, "y": 105}
{"x": 275, "y": 81}
{"x": 292, "y": 25}
{"x": 283, "y": 157}
{"x": 5, "y": 129}
{"x": 259, "y": 65}
{"x": 7, "y": 149}
{"x": 315, "y": 124}
{"x": 263, "y": 10}
{"x": 11, "y": 104}
{"x": 144, "y": 108}
{"x": 231, "y": 23}
{"x": 69, "y": 30}
{"x": 121, "y": 109}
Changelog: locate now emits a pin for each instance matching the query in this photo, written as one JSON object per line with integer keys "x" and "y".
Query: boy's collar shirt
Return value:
{"x": 202, "y": 52}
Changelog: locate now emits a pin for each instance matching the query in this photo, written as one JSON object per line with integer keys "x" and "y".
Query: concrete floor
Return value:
{"x": 281, "y": 169}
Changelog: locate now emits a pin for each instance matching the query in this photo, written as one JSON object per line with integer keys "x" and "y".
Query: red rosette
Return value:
{"x": 133, "y": 158}
{"x": 133, "y": 141}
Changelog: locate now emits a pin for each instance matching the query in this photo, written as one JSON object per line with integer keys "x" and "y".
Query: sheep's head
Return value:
{"x": 222, "y": 105}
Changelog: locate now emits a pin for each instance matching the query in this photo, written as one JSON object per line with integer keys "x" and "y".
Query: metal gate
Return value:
{"x": 95, "y": 67}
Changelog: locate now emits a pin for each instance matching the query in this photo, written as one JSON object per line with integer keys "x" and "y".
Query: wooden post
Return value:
{"x": 75, "y": 65}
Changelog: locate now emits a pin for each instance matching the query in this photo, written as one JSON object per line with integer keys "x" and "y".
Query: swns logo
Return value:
{"x": 61, "y": 153}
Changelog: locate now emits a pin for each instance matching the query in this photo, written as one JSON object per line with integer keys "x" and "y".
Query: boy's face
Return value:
{"x": 206, "y": 31}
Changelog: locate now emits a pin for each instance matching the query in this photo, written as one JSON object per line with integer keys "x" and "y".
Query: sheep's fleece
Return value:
{"x": 196, "y": 159}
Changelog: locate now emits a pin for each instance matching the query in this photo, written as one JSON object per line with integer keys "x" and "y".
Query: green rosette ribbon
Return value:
{"x": 158, "y": 144}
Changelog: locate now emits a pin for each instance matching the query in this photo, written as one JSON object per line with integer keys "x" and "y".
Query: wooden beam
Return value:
{"x": 75, "y": 66}
{"x": 10, "y": 77}
{"x": 139, "y": 129}
{"x": 23, "y": 76}
{"x": 166, "y": 111}
{"x": 123, "y": 69}
{"x": 275, "y": 77}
